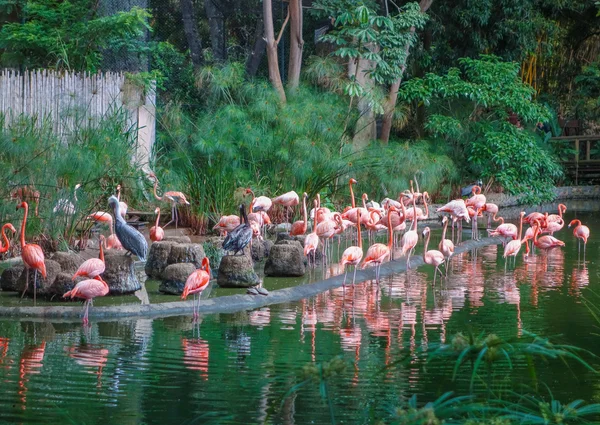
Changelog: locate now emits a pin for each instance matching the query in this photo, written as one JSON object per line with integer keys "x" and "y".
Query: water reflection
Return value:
{"x": 195, "y": 355}
{"x": 93, "y": 358}
{"x": 31, "y": 363}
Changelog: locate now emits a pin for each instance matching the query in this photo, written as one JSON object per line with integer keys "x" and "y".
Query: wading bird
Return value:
{"x": 88, "y": 290}
{"x": 260, "y": 203}
{"x": 131, "y": 239}
{"x": 176, "y": 198}
{"x": 156, "y": 232}
{"x": 92, "y": 267}
{"x": 433, "y": 257}
{"x": 32, "y": 255}
{"x": 288, "y": 199}
{"x": 23, "y": 193}
{"x": 6, "y": 246}
{"x": 545, "y": 243}
{"x": 378, "y": 253}
{"x": 581, "y": 232}
{"x": 311, "y": 242}
{"x": 226, "y": 224}
{"x": 196, "y": 283}
{"x": 64, "y": 206}
{"x": 513, "y": 247}
{"x": 410, "y": 238}
{"x": 241, "y": 236}
{"x": 446, "y": 246}
{"x": 299, "y": 227}
{"x": 352, "y": 255}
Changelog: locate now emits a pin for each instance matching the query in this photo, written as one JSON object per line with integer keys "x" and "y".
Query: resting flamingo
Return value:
{"x": 513, "y": 247}
{"x": 4, "y": 248}
{"x": 312, "y": 239}
{"x": 410, "y": 238}
{"x": 176, "y": 198}
{"x": 299, "y": 227}
{"x": 446, "y": 246}
{"x": 288, "y": 199}
{"x": 92, "y": 267}
{"x": 261, "y": 203}
{"x": 88, "y": 290}
{"x": 352, "y": 255}
{"x": 196, "y": 283}
{"x": 32, "y": 255}
{"x": 545, "y": 243}
{"x": 433, "y": 257}
{"x": 581, "y": 232}
{"x": 504, "y": 230}
{"x": 156, "y": 232}
{"x": 227, "y": 223}
{"x": 378, "y": 253}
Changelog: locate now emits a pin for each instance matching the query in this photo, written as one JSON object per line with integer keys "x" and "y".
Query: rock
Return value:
{"x": 258, "y": 250}
{"x": 252, "y": 291}
{"x": 10, "y": 278}
{"x": 177, "y": 239}
{"x": 301, "y": 239}
{"x": 262, "y": 291}
{"x": 62, "y": 284}
{"x": 43, "y": 285}
{"x": 158, "y": 258}
{"x": 237, "y": 271}
{"x": 186, "y": 253}
{"x": 174, "y": 277}
{"x": 268, "y": 244}
{"x": 69, "y": 261}
{"x": 283, "y": 237}
{"x": 120, "y": 274}
{"x": 286, "y": 259}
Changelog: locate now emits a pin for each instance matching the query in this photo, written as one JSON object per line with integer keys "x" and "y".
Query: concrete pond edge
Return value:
{"x": 229, "y": 303}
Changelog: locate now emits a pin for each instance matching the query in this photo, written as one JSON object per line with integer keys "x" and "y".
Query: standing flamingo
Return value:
{"x": 227, "y": 223}
{"x": 288, "y": 199}
{"x": 410, "y": 238}
{"x": 433, "y": 257}
{"x": 562, "y": 208}
{"x": 196, "y": 283}
{"x": 513, "y": 247}
{"x": 458, "y": 211}
{"x": 260, "y": 203}
{"x": 176, "y": 198}
{"x": 545, "y": 243}
{"x": 88, "y": 290}
{"x": 311, "y": 243}
{"x": 350, "y": 183}
{"x": 505, "y": 230}
{"x": 446, "y": 246}
{"x": 378, "y": 253}
{"x": 352, "y": 255}
{"x": 491, "y": 210}
{"x": 4, "y": 248}
{"x": 156, "y": 232}
{"x": 32, "y": 255}
{"x": 299, "y": 227}
{"x": 581, "y": 232}
{"x": 92, "y": 267}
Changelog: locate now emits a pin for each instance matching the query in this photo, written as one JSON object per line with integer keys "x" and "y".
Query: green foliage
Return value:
{"x": 98, "y": 158}
{"x": 588, "y": 91}
{"x": 469, "y": 109}
{"x": 70, "y": 35}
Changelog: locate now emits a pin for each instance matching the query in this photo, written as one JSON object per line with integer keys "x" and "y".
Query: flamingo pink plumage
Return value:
{"x": 299, "y": 227}
{"x": 581, "y": 232}
{"x": 88, "y": 290}
{"x": 92, "y": 267}
{"x": 378, "y": 253}
{"x": 31, "y": 254}
{"x": 156, "y": 232}
{"x": 196, "y": 283}
{"x": 446, "y": 246}
{"x": 227, "y": 223}
{"x": 6, "y": 246}
{"x": 352, "y": 255}
{"x": 433, "y": 257}
{"x": 513, "y": 247}
{"x": 410, "y": 238}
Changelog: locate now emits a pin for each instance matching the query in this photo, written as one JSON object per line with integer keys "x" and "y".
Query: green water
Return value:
{"x": 237, "y": 367}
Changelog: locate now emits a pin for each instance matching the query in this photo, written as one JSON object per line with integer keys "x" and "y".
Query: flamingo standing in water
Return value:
{"x": 156, "y": 232}
{"x": 352, "y": 255}
{"x": 288, "y": 199}
{"x": 88, "y": 290}
{"x": 196, "y": 283}
{"x": 446, "y": 246}
{"x": 433, "y": 257}
{"x": 458, "y": 211}
{"x": 311, "y": 242}
{"x": 32, "y": 255}
{"x": 176, "y": 198}
{"x": 378, "y": 253}
{"x": 92, "y": 267}
{"x": 545, "y": 243}
{"x": 410, "y": 238}
{"x": 505, "y": 230}
{"x": 299, "y": 227}
{"x": 4, "y": 248}
{"x": 513, "y": 247}
{"x": 581, "y": 232}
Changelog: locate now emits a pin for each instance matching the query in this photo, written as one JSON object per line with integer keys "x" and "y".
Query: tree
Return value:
{"x": 191, "y": 32}
{"x": 216, "y": 24}
{"x": 296, "y": 43}
{"x": 272, "y": 57}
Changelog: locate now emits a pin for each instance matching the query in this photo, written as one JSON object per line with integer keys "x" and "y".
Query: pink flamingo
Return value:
{"x": 288, "y": 199}
{"x": 410, "y": 238}
{"x": 513, "y": 247}
{"x": 176, "y": 198}
{"x": 88, "y": 290}
{"x": 156, "y": 232}
{"x": 545, "y": 243}
{"x": 196, "y": 283}
{"x": 530, "y": 218}
{"x": 92, "y": 267}
{"x": 227, "y": 223}
{"x": 299, "y": 227}
{"x": 433, "y": 257}
{"x": 32, "y": 255}
{"x": 504, "y": 230}
{"x": 4, "y": 248}
{"x": 581, "y": 232}
{"x": 352, "y": 256}
{"x": 378, "y": 253}
{"x": 491, "y": 210}
{"x": 311, "y": 242}
{"x": 446, "y": 246}
{"x": 112, "y": 242}
{"x": 562, "y": 208}
{"x": 261, "y": 203}
{"x": 458, "y": 211}
{"x": 325, "y": 230}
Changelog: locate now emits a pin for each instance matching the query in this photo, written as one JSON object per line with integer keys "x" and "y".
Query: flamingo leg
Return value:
{"x": 86, "y": 312}
{"x": 26, "y": 281}
{"x": 34, "y": 286}
{"x": 354, "y": 277}
{"x": 345, "y": 275}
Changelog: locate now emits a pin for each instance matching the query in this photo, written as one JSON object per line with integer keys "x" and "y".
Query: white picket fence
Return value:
{"x": 70, "y": 100}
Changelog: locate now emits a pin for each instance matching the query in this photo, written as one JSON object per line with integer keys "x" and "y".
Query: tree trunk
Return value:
{"x": 258, "y": 50}
{"x": 366, "y": 126}
{"x": 296, "y": 43}
{"x": 390, "y": 103}
{"x": 191, "y": 32}
{"x": 274, "y": 74}
{"x": 216, "y": 24}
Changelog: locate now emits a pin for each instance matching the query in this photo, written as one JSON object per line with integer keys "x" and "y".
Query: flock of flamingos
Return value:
{"x": 394, "y": 216}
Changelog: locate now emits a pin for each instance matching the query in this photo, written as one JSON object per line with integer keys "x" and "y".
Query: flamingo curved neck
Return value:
{"x": 358, "y": 230}
{"x": 157, "y": 219}
{"x": 414, "y": 212}
{"x": 6, "y": 241}
{"x": 426, "y": 206}
{"x": 352, "y": 195}
{"x": 155, "y": 194}
{"x": 426, "y": 243}
{"x": 101, "y": 256}
{"x": 521, "y": 227}
{"x": 24, "y": 224}
{"x": 304, "y": 213}
{"x": 390, "y": 231}
{"x": 445, "y": 229}
{"x": 364, "y": 199}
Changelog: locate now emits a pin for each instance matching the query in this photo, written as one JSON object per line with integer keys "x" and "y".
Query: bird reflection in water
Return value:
{"x": 195, "y": 355}
{"x": 260, "y": 318}
{"x": 580, "y": 278}
{"x": 4, "y": 343}
{"x": 92, "y": 357}
{"x": 29, "y": 364}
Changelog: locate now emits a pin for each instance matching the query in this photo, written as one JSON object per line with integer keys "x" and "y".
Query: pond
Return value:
{"x": 239, "y": 368}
